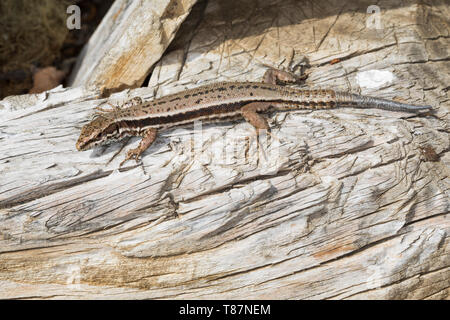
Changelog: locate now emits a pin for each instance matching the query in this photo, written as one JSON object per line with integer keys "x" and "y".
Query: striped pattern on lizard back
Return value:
{"x": 219, "y": 101}
{"x": 202, "y": 103}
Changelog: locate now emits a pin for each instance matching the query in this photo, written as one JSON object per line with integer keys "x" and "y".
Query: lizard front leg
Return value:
{"x": 130, "y": 103}
{"x": 148, "y": 137}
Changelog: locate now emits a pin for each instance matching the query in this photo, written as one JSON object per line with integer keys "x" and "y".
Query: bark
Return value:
{"x": 337, "y": 204}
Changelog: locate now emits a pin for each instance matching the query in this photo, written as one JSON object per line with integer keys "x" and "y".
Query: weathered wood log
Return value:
{"x": 342, "y": 204}
{"x": 128, "y": 42}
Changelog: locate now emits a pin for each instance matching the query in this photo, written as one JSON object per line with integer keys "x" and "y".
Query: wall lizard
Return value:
{"x": 219, "y": 102}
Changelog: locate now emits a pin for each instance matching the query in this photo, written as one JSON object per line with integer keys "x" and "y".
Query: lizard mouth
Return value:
{"x": 86, "y": 146}
{"x": 80, "y": 145}
{"x": 83, "y": 145}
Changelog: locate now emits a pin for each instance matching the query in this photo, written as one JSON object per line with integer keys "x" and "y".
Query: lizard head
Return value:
{"x": 97, "y": 132}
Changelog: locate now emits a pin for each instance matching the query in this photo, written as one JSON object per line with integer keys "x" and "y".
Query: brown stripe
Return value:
{"x": 222, "y": 109}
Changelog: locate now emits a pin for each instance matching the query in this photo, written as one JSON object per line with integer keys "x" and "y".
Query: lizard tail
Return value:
{"x": 357, "y": 101}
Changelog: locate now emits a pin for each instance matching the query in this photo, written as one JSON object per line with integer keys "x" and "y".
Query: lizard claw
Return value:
{"x": 280, "y": 77}
{"x": 148, "y": 139}
{"x": 132, "y": 154}
{"x": 132, "y": 102}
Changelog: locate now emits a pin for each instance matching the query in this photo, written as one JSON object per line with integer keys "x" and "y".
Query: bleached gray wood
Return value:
{"x": 347, "y": 207}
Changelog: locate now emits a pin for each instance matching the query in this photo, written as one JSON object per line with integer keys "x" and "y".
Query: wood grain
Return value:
{"x": 342, "y": 204}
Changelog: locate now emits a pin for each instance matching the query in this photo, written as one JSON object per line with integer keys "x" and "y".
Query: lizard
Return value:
{"x": 219, "y": 102}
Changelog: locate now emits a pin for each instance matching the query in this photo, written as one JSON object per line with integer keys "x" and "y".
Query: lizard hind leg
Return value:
{"x": 275, "y": 76}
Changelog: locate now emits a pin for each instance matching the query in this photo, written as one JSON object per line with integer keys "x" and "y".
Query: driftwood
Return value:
{"x": 130, "y": 40}
{"x": 338, "y": 204}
